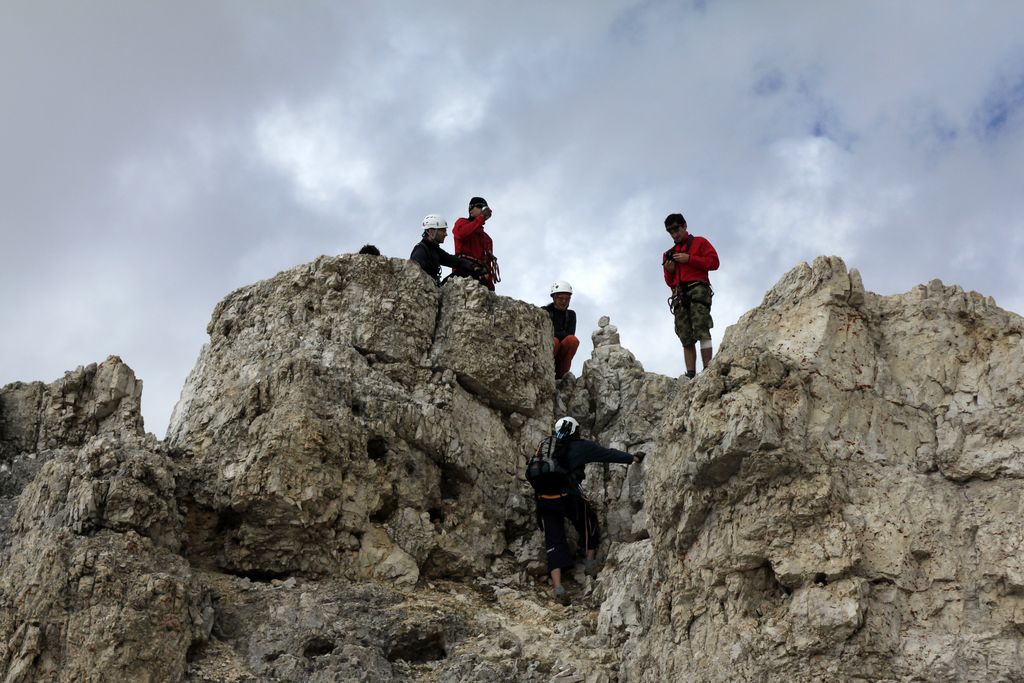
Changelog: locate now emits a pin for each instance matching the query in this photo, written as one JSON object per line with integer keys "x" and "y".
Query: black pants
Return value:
{"x": 552, "y": 513}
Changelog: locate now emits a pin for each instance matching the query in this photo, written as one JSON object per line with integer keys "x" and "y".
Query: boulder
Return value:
{"x": 349, "y": 418}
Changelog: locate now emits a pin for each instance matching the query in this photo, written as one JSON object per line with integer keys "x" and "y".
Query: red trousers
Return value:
{"x": 564, "y": 352}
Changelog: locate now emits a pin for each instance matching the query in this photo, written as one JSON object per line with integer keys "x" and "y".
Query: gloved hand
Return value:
{"x": 471, "y": 267}
{"x": 639, "y": 457}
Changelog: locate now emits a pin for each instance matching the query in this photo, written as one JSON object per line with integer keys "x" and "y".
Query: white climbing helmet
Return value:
{"x": 434, "y": 222}
{"x": 561, "y": 287}
{"x": 566, "y": 427}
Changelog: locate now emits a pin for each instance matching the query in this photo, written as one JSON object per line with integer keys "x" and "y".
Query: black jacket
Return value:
{"x": 581, "y": 452}
{"x": 431, "y": 257}
{"x": 564, "y": 322}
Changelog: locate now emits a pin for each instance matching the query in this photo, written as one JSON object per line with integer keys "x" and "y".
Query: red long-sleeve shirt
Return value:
{"x": 703, "y": 258}
{"x": 470, "y": 238}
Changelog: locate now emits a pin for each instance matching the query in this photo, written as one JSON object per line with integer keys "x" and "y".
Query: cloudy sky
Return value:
{"x": 155, "y": 156}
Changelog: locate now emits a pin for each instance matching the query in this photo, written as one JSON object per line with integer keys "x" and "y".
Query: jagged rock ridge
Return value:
{"x": 849, "y": 494}
{"x": 340, "y": 497}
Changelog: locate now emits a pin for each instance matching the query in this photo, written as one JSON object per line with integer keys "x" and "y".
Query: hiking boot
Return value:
{"x": 561, "y": 595}
{"x": 590, "y": 567}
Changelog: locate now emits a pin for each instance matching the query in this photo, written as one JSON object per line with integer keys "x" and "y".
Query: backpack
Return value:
{"x": 548, "y": 469}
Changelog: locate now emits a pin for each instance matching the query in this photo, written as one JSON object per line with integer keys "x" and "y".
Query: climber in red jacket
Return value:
{"x": 686, "y": 267}
{"x": 472, "y": 242}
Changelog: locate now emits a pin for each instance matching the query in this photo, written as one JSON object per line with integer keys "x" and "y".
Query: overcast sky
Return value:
{"x": 154, "y": 156}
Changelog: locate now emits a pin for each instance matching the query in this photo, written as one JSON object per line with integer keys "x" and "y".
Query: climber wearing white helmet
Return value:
{"x": 428, "y": 253}
{"x": 555, "y": 472}
{"x": 563, "y": 319}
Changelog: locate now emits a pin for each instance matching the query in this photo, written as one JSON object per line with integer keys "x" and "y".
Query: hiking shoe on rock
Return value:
{"x": 590, "y": 567}
{"x": 561, "y": 595}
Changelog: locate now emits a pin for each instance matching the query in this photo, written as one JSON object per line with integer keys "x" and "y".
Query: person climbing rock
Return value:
{"x": 429, "y": 254}
{"x": 472, "y": 242}
{"x": 556, "y": 472}
{"x": 686, "y": 267}
{"x": 563, "y": 319}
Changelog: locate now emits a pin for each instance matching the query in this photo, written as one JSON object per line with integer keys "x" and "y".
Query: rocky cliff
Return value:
{"x": 339, "y": 496}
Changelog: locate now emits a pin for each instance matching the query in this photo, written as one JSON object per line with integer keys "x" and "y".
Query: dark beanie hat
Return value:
{"x": 477, "y": 200}
{"x": 675, "y": 219}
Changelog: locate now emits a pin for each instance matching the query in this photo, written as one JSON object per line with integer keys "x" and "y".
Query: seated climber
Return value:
{"x": 563, "y": 319}
{"x": 429, "y": 254}
{"x": 555, "y": 472}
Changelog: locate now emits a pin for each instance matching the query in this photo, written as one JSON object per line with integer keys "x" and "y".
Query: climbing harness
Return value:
{"x": 683, "y": 295}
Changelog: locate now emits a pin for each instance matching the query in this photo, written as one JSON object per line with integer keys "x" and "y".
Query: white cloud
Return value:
{"x": 458, "y": 113}
{"x": 889, "y": 134}
{"x": 813, "y": 204}
{"x": 318, "y": 149}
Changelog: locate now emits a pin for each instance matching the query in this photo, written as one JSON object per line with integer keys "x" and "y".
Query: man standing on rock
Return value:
{"x": 429, "y": 254}
{"x": 473, "y": 243}
{"x": 556, "y": 472}
{"x": 563, "y": 319}
{"x": 686, "y": 267}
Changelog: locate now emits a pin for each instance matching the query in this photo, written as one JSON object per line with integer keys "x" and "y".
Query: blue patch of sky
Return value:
{"x": 1001, "y": 107}
{"x": 632, "y": 24}
{"x": 769, "y": 81}
{"x": 924, "y": 123}
{"x": 943, "y": 130}
{"x": 799, "y": 93}
{"x": 823, "y": 119}
{"x": 828, "y": 124}
{"x": 931, "y": 130}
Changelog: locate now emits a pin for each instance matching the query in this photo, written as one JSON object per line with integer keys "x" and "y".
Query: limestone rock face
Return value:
{"x": 846, "y": 479}
{"x": 349, "y": 418}
{"x": 103, "y": 607}
{"x": 90, "y": 570}
{"x": 497, "y": 347}
{"x": 622, "y": 406}
{"x": 36, "y": 420}
{"x": 340, "y": 495}
{"x": 91, "y": 400}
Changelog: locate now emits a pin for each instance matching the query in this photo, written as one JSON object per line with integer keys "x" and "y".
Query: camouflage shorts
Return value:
{"x": 692, "y": 311}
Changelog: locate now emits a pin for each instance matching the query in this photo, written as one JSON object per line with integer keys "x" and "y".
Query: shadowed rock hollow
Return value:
{"x": 340, "y": 497}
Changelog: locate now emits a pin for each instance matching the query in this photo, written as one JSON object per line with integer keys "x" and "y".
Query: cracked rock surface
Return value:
{"x": 340, "y": 495}
{"x": 345, "y": 419}
{"x": 846, "y": 494}
{"x": 92, "y": 585}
